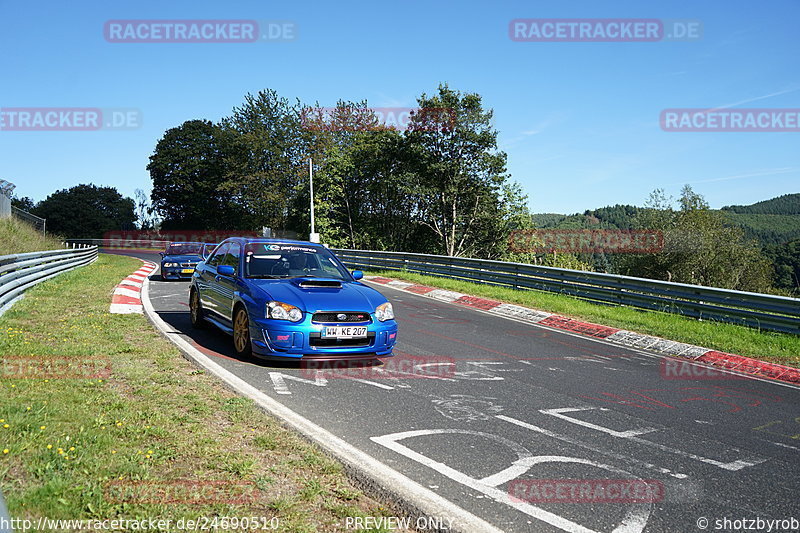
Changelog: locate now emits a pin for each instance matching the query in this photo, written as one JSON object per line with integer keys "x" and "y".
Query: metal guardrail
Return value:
{"x": 19, "y": 272}
{"x": 37, "y": 222}
{"x": 762, "y": 311}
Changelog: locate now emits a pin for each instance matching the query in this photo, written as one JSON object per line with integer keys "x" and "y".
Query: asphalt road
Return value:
{"x": 475, "y": 406}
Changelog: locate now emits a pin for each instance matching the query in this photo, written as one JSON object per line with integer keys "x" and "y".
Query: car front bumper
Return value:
{"x": 176, "y": 273}
{"x": 282, "y": 339}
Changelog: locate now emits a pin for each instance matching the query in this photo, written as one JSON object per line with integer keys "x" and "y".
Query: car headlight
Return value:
{"x": 282, "y": 311}
{"x": 384, "y": 312}
{"x": 169, "y": 265}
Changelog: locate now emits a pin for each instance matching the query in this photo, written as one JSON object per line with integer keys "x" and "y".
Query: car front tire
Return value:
{"x": 241, "y": 333}
{"x": 196, "y": 310}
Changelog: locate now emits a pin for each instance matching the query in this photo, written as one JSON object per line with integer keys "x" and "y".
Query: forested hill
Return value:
{"x": 787, "y": 204}
{"x": 773, "y": 221}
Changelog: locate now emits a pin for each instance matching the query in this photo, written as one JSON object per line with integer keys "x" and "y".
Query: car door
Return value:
{"x": 227, "y": 284}
{"x": 207, "y": 284}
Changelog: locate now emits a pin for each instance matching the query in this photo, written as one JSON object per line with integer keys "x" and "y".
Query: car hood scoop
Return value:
{"x": 316, "y": 283}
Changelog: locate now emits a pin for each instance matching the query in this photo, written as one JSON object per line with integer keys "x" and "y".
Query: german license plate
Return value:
{"x": 187, "y": 270}
{"x": 344, "y": 332}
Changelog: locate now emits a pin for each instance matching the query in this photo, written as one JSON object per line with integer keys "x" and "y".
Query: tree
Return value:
{"x": 268, "y": 158}
{"x": 362, "y": 191}
{"x": 458, "y": 174}
{"x": 188, "y": 169}
{"x": 700, "y": 247}
{"x": 25, "y": 203}
{"x": 86, "y": 211}
{"x": 786, "y": 261}
{"x": 145, "y": 212}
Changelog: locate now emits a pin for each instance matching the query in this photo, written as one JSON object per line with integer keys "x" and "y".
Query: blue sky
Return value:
{"x": 579, "y": 121}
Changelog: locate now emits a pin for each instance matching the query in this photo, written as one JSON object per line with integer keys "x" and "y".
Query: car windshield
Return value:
{"x": 185, "y": 248}
{"x": 278, "y": 260}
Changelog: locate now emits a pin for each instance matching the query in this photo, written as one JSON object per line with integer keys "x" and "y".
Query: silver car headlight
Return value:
{"x": 170, "y": 265}
{"x": 384, "y": 312}
{"x": 282, "y": 311}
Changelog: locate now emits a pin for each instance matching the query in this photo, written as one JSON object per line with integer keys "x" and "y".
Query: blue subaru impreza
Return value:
{"x": 290, "y": 299}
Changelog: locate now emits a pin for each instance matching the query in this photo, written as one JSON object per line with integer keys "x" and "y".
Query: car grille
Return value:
{"x": 349, "y": 317}
{"x": 320, "y": 342}
{"x": 188, "y": 265}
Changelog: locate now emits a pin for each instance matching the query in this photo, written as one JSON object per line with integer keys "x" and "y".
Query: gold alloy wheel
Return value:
{"x": 241, "y": 332}
{"x": 194, "y": 308}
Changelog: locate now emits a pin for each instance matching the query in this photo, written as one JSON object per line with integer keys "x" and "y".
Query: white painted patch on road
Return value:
{"x": 518, "y": 311}
{"x": 633, "y": 436}
{"x": 559, "y": 413}
{"x": 592, "y": 448}
{"x": 445, "y": 296}
{"x": 279, "y": 381}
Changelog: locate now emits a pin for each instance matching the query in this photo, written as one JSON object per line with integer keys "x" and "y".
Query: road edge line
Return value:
{"x": 374, "y": 477}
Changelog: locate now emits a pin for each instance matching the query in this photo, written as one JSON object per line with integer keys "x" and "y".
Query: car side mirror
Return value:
{"x": 161, "y": 254}
{"x": 226, "y": 270}
{"x": 357, "y": 274}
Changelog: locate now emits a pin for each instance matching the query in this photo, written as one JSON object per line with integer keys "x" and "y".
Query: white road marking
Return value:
{"x": 131, "y": 283}
{"x": 576, "y": 442}
{"x": 559, "y": 413}
{"x": 633, "y": 522}
{"x": 415, "y": 375}
{"x": 499, "y": 363}
{"x": 373, "y": 383}
{"x": 632, "y": 435}
{"x": 279, "y": 381}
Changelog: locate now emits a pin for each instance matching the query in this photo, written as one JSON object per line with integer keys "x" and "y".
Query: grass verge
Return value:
{"x": 18, "y": 237}
{"x": 766, "y": 346}
{"x": 99, "y": 448}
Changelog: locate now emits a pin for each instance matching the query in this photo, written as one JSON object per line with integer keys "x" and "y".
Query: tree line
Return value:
{"x": 437, "y": 185}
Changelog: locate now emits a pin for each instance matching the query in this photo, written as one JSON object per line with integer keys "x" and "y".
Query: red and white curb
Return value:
{"x": 727, "y": 361}
{"x": 127, "y": 297}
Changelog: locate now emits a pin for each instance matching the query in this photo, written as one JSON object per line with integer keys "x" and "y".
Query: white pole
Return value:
{"x": 311, "y": 187}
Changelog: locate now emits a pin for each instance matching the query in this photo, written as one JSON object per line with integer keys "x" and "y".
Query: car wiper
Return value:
{"x": 262, "y": 276}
